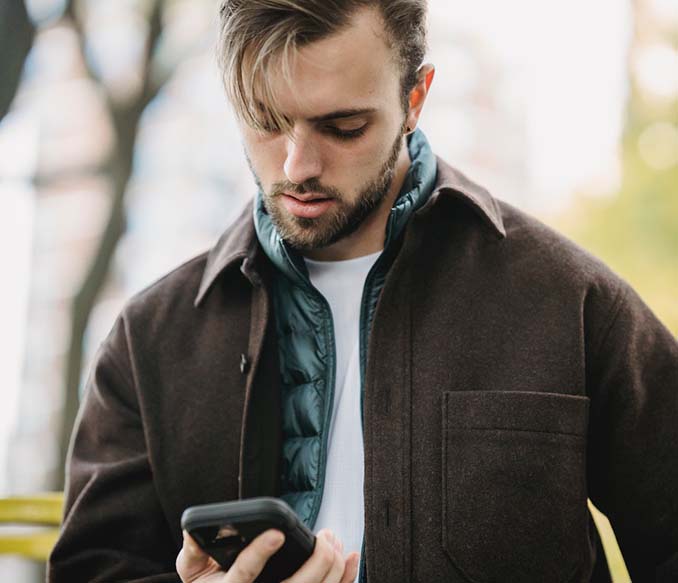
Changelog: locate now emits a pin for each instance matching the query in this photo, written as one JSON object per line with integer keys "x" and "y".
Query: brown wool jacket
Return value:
{"x": 510, "y": 376}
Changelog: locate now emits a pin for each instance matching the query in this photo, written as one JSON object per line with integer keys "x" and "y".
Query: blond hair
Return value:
{"x": 256, "y": 36}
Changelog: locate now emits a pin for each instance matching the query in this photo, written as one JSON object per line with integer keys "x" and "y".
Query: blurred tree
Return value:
{"x": 16, "y": 38}
{"x": 125, "y": 115}
{"x": 636, "y": 230}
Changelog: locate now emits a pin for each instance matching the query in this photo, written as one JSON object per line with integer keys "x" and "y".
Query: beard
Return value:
{"x": 338, "y": 222}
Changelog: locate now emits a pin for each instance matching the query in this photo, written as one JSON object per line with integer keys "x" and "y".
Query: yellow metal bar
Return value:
{"x": 36, "y": 546}
{"x": 44, "y": 509}
{"x": 613, "y": 554}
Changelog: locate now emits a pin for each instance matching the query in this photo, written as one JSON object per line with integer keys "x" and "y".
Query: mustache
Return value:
{"x": 311, "y": 186}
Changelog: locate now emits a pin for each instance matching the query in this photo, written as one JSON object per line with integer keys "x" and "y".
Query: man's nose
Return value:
{"x": 303, "y": 160}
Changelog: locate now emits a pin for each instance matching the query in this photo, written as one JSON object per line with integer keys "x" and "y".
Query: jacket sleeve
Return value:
{"x": 114, "y": 528}
{"x": 633, "y": 442}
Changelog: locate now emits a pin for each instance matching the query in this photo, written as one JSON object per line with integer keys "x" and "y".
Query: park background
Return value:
{"x": 120, "y": 159}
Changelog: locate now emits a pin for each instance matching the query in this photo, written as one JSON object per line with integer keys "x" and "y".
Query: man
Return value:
{"x": 421, "y": 371}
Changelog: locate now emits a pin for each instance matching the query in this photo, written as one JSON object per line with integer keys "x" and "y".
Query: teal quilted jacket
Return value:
{"x": 306, "y": 337}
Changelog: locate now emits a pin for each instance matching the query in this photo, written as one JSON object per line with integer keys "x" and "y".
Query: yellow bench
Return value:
{"x": 40, "y": 510}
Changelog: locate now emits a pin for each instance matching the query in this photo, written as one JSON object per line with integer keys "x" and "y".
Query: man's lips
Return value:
{"x": 306, "y": 206}
{"x": 305, "y": 197}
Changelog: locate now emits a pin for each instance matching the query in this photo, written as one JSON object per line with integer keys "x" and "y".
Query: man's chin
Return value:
{"x": 307, "y": 243}
{"x": 305, "y": 234}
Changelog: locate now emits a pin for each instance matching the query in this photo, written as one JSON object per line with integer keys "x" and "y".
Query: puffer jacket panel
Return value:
{"x": 305, "y": 330}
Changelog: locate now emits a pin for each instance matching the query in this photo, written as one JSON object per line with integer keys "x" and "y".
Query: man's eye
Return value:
{"x": 346, "y": 134}
{"x": 269, "y": 128}
{"x": 268, "y": 125}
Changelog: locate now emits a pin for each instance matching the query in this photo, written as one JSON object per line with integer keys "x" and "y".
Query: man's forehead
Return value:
{"x": 365, "y": 30}
{"x": 352, "y": 69}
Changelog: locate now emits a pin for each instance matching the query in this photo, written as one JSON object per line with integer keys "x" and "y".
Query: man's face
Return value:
{"x": 329, "y": 178}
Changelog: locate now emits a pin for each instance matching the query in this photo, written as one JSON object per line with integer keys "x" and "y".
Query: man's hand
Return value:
{"x": 326, "y": 565}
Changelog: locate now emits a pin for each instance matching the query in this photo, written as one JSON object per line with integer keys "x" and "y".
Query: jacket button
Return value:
{"x": 244, "y": 364}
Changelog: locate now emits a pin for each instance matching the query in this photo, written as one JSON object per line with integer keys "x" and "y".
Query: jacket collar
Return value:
{"x": 239, "y": 242}
{"x": 454, "y": 185}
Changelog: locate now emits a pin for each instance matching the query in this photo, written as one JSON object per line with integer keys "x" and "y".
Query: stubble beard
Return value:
{"x": 303, "y": 233}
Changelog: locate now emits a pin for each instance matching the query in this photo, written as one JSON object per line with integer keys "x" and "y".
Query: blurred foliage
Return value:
{"x": 636, "y": 231}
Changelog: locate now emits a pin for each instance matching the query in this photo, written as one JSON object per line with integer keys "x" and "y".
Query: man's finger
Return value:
{"x": 351, "y": 568}
{"x": 336, "y": 572}
{"x": 192, "y": 562}
{"x": 320, "y": 563}
{"x": 192, "y": 548}
{"x": 253, "y": 557}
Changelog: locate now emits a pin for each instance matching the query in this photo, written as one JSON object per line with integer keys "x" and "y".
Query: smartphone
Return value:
{"x": 223, "y": 530}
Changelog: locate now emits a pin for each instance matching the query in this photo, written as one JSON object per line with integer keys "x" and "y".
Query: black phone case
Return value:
{"x": 223, "y": 530}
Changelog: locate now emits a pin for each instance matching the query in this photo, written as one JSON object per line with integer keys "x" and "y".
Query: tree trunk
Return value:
{"x": 125, "y": 122}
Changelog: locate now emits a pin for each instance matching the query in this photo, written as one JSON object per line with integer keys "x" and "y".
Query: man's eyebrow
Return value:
{"x": 338, "y": 114}
{"x": 341, "y": 114}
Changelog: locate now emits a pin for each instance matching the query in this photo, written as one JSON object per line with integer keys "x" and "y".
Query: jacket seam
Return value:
{"x": 121, "y": 372}
{"x": 613, "y": 316}
{"x": 125, "y": 375}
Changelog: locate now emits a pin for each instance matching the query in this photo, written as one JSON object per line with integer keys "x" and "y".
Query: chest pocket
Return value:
{"x": 514, "y": 485}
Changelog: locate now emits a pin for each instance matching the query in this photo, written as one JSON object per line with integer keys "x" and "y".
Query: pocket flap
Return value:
{"x": 517, "y": 410}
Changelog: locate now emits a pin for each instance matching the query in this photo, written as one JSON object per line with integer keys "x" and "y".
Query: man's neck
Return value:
{"x": 369, "y": 237}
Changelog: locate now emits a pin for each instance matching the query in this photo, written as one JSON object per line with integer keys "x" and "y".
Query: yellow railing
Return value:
{"x": 38, "y": 511}
{"x": 615, "y": 561}
{"x": 45, "y": 510}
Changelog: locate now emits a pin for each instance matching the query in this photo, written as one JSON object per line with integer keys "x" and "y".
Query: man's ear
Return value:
{"x": 418, "y": 94}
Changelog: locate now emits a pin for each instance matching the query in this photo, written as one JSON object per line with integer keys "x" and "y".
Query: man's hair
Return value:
{"x": 256, "y": 36}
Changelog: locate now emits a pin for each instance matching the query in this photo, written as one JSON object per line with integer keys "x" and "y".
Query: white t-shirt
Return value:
{"x": 342, "y": 506}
